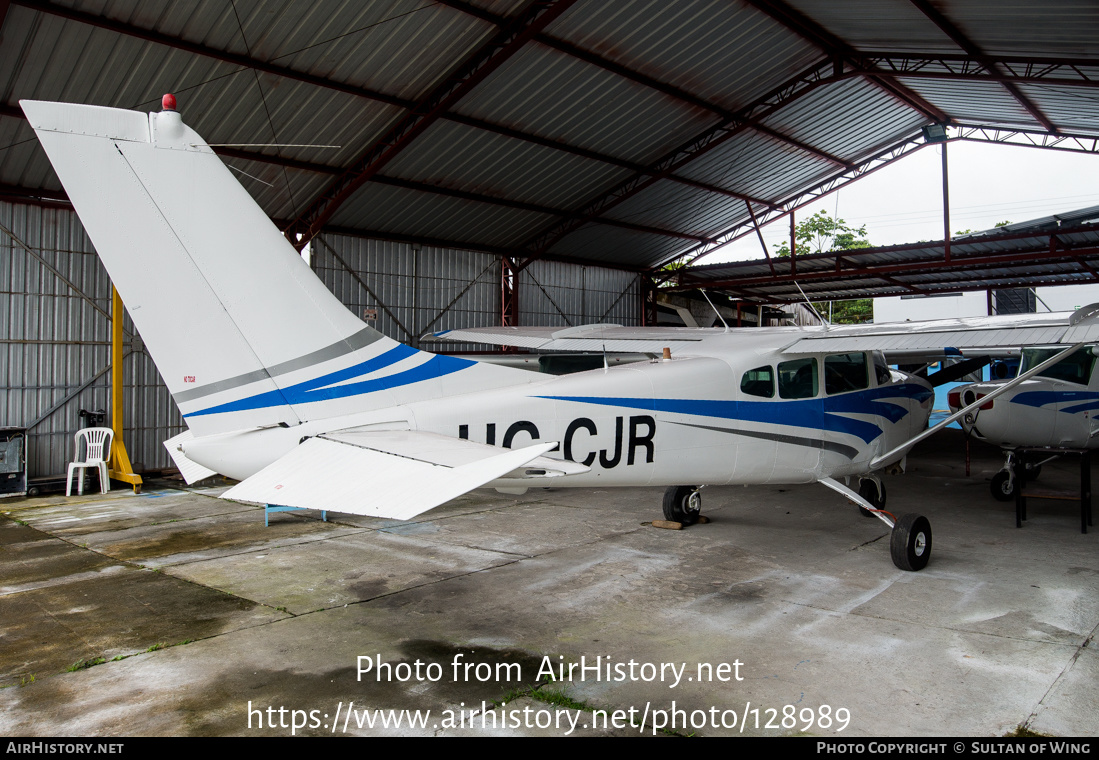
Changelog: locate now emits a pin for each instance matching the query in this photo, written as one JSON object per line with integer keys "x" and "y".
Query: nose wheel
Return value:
{"x": 1003, "y": 486}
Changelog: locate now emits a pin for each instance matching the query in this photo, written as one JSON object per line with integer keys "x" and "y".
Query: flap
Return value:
{"x": 341, "y": 476}
{"x": 446, "y": 450}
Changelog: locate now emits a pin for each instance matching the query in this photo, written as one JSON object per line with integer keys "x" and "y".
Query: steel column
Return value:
{"x": 946, "y": 208}
{"x": 119, "y": 465}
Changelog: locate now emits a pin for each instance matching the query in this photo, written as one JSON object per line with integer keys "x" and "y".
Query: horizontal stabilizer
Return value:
{"x": 365, "y": 477}
{"x": 191, "y": 471}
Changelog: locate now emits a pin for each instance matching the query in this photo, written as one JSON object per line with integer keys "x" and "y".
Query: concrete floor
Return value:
{"x": 202, "y": 614}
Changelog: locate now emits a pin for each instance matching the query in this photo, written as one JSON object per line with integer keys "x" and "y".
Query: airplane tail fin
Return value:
{"x": 242, "y": 331}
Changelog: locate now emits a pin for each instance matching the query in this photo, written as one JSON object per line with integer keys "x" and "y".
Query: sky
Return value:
{"x": 989, "y": 183}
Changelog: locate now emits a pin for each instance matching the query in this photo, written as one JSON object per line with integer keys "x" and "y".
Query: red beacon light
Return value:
{"x": 168, "y": 102}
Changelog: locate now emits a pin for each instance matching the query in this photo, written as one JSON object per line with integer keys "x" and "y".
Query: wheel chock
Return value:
{"x": 673, "y": 525}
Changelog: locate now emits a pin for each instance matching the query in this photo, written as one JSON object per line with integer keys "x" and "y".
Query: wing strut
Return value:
{"x": 878, "y": 461}
{"x": 843, "y": 490}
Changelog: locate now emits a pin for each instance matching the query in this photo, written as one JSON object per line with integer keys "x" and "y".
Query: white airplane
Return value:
{"x": 285, "y": 390}
{"x": 1057, "y": 408}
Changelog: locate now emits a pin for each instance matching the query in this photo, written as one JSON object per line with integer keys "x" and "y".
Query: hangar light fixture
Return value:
{"x": 934, "y": 133}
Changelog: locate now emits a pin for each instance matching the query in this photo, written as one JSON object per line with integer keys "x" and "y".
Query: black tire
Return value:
{"x": 999, "y": 487}
{"x": 868, "y": 490}
{"x": 910, "y": 542}
{"x": 678, "y": 507}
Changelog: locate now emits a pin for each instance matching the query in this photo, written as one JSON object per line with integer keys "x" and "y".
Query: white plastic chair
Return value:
{"x": 97, "y": 444}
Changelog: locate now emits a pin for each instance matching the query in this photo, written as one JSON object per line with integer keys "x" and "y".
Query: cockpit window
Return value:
{"x": 797, "y": 378}
{"x": 844, "y": 373}
{"x": 759, "y": 382}
{"x": 1076, "y": 368}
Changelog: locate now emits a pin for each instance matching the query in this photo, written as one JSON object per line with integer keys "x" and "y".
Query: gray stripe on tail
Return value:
{"x": 361, "y": 339}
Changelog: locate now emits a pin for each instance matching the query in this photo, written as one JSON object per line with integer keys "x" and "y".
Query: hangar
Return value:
{"x": 455, "y": 164}
{"x": 516, "y": 163}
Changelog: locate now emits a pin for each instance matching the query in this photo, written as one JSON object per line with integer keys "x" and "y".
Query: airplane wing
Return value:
{"x": 597, "y": 337}
{"x": 972, "y": 335}
{"x": 394, "y": 474}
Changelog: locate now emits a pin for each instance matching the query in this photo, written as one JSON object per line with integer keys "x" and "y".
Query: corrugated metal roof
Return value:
{"x": 877, "y": 26}
{"x": 1035, "y": 252}
{"x": 725, "y": 52}
{"x": 396, "y": 210}
{"x": 642, "y": 111}
{"x": 823, "y": 119}
{"x": 463, "y": 158}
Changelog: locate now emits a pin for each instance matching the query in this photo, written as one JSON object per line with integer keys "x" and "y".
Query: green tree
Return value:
{"x": 821, "y": 233}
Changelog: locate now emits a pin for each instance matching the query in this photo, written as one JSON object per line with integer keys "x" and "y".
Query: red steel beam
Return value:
{"x": 833, "y": 46}
{"x": 961, "y": 40}
{"x": 808, "y": 81}
{"x": 804, "y": 198}
{"x": 425, "y": 187}
{"x": 1027, "y": 139}
{"x": 448, "y": 93}
{"x": 101, "y": 22}
{"x": 644, "y": 80}
{"x": 856, "y": 253}
{"x": 895, "y": 291}
{"x": 248, "y": 155}
{"x": 129, "y": 30}
{"x": 969, "y": 69}
{"x": 34, "y": 196}
{"x": 959, "y": 263}
{"x": 462, "y": 245}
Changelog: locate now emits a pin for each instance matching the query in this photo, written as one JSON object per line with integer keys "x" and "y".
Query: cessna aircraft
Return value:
{"x": 285, "y": 390}
{"x": 1056, "y": 409}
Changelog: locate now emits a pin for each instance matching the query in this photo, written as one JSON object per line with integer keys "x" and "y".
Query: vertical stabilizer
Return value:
{"x": 243, "y": 332}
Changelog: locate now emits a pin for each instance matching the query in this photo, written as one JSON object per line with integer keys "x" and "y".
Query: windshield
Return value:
{"x": 1076, "y": 368}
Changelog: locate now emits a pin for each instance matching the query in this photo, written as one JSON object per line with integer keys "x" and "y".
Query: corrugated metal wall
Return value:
{"x": 415, "y": 286}
{"x": 558, "y": 293}
{"x": 55, "y": 302}
{"x": 367, "y": 273}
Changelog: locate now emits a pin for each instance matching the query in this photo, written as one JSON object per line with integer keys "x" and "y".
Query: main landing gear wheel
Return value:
{"x": 682, "y": 504}
{"x": 910, "y": 542}
{"x": 870, "y": 491}
{"x": 1003, "y": 486}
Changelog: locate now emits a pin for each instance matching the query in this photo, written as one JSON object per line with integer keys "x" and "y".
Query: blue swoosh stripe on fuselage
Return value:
{"x": 823, "y": 414}
{"x": 1090, "y": 399}
{"x": 317, "y": 389}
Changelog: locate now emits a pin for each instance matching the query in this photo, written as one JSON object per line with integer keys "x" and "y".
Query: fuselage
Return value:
{"x": 1056, "y": 408}
{"x": 744, "y": 413}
